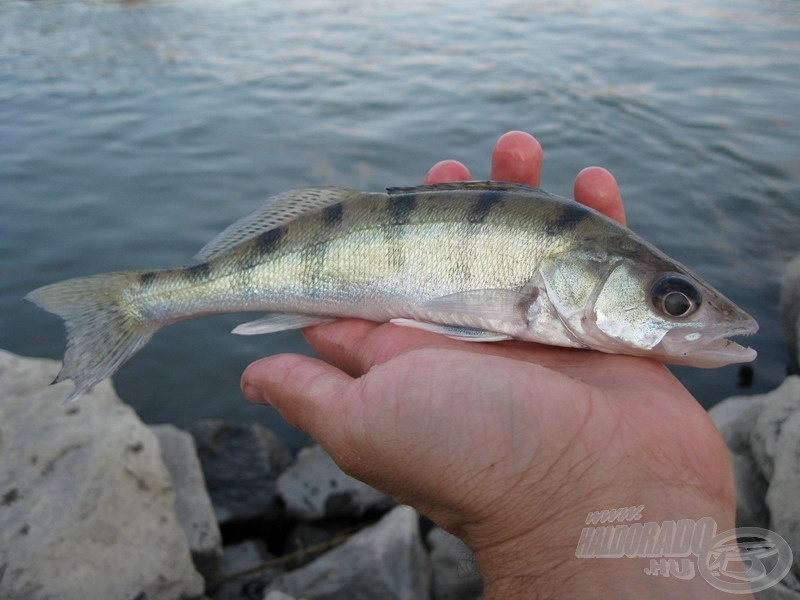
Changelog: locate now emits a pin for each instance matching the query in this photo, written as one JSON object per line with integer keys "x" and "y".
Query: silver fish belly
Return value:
{"x": 475, "y": 261}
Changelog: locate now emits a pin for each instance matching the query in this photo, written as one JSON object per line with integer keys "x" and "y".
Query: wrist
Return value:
{"x": 564, "y": 557}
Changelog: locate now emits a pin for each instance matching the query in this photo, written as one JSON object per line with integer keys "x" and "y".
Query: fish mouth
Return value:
{"x": 708, "y": 349}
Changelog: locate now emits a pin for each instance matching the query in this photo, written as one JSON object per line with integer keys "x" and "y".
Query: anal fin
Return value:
{"x": 279, "y": 322}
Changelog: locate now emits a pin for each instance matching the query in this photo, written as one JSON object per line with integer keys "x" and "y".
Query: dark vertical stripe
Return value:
{"x": 269, "y": 241}
{"x": 314, "y": 257}
{"x": 332, "y": 215}
{"x": 401, "y": 207}
{"x": 263, "y": 245}
{"x": 569, "y": 215}
{"x": 248, "y": 261}
{"x": 198, "y": 273}
{"x": 484, "y": 204}
{"x": 147, "y": 279}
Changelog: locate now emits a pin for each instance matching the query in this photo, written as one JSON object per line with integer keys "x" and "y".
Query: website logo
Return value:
{"x": 738, "y": 561}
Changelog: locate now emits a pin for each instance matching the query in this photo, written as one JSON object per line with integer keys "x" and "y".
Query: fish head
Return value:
{"x": 640, "y": 302}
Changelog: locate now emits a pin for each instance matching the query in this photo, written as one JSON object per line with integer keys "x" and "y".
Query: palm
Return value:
{"x": 521, "y": 412}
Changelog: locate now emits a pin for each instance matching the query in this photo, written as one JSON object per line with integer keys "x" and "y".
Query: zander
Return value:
{"x": 476, "y": 261}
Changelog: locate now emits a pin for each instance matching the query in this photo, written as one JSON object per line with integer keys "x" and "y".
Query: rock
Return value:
{"x": 385, "y": 561}
{"x": 314, "y": 487}
{"x": 778, "y": 405}
{"x": 737, "y": 415}
{"x": 735, "y": 418}
{"x": 87, "y": 507}
{"x": 787, "y": 588}
{"x": 763, "y": 436}
{"x": 241, "y": 462}
{"x": 278, "y": 596}
{"x": 244, "y": 580}
{"x": 454, "y": 575}
{"x": 192, "y": 503}
{"x": 790, "y": 313}
{"x": 308, "y": 540}
{"x": 783, "y": 496}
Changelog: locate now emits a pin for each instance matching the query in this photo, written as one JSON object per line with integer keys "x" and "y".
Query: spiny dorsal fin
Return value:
{"x": 480, "y": 186}
{"x": 276, "y": 211}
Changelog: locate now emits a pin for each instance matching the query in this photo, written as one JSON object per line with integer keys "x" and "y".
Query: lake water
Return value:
{"x": 132, "y": 132}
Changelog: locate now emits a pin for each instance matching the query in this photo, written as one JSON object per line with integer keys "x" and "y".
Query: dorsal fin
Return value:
{"x": 276, "y": 211}
{"x": 480, "y": 186}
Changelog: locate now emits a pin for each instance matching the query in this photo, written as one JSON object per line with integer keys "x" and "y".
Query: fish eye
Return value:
{"x": 675, "y": 297}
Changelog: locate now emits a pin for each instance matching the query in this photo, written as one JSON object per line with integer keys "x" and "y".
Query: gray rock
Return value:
{"x": 385, "y": 561}
{"x": 736, "y": 418}
{"x": 244, "y": 577}
{"x": 241, "y": 462}
{"x": 751, "y": 489}
{"x": 736, "y": 415}
{"x": 786, "y": 589}
{"x": 783, "y": 496}
{"x": 778, "y": 405}
{"x": 87, "y": 505}
{"x": 790, "y": 313}
{"x": 454, "y": 575}
{"x": 310, "y": 539}
{"x": 192, "y": 502}
{"x": 314, "y": 487}
{"x": 278, "y": 596}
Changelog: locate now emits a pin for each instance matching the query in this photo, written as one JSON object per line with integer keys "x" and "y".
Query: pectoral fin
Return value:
{"x": 479, "y": 308}
{"x": 465, "y": 334}
{"x": 488, "y": 315}
{"x": 279, "y": 322}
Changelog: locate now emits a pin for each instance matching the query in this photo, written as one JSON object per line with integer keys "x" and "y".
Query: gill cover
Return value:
{"x": 645, "y": 306}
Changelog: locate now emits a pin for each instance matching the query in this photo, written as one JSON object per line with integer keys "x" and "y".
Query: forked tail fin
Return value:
{"x": 102, "y": 330}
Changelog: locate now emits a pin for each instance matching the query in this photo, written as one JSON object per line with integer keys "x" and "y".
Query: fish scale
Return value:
{"x": 476, "y": 261}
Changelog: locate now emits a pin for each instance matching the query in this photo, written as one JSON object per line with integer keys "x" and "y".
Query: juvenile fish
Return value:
{"x": 475, "y": 261}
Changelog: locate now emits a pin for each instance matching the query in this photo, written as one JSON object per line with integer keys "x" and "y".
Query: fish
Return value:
{"x": 478, "y": 261}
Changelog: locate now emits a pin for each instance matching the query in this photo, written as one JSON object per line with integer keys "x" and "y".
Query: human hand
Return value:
{"x": 509, "y": 445}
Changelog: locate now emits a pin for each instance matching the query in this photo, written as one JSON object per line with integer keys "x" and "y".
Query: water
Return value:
{"x": 132, "y": 132}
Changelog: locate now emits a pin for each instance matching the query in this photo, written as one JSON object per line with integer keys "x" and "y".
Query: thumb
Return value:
{"x": 310, "y": 394}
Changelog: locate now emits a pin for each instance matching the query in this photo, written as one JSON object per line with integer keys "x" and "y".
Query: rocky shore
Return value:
{"x": 96, "y": 504}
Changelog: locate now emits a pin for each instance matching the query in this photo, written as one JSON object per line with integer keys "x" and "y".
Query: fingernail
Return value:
{"x": 255, "y": 395}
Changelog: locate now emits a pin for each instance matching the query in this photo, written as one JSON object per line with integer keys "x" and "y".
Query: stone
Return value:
{"x": 736, "y": 418}
{"x": 243, "y": 577}
{"x": 790, "y": 313}
{"x": 241, "y": 462}
{"x": 87, "y": 506}
{"x": 386, "y": 560}
{"x": 278, "y": 596}
{"x": 310, "y": 539}
{"x": 454, "y": 575}
{"x": 783, "y": 495}
{"x": 192, "y": 502}
{"x": 787, "y": 588}
{"x": 777, "y": 406}
{"x": 737, "y": 414}
{"x": 314, "y": 487}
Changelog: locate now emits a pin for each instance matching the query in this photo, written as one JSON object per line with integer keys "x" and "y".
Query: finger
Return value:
{"x": 597, "y": 188}
{"x": 356, "y": 346}
{"x": 517, "y": 157}
{"x": 309, "y": 393}
{"x": 447, "y": 170}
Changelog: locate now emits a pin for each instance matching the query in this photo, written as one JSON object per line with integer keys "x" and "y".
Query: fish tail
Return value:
{"x": 103, "y": 331}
